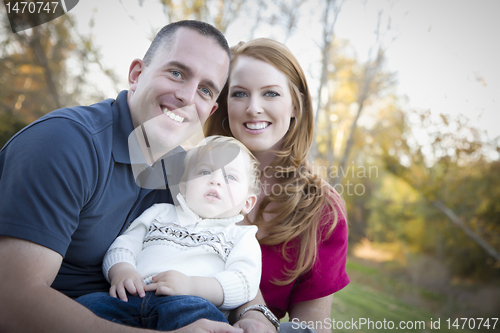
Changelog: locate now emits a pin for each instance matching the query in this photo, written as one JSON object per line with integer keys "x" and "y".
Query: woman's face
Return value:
{"x": 260, "y": 104}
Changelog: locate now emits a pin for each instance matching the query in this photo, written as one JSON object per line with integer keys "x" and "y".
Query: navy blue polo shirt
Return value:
{"x": 66, "y": 183}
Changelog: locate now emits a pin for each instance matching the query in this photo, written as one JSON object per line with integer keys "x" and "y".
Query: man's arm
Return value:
{"x": 29, "y": 304}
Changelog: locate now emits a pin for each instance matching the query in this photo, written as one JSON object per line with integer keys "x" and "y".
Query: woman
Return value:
{"x": 301, "y": 220}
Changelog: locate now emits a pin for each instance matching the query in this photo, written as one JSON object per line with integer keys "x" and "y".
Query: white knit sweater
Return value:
{"x": 166, "y": 237}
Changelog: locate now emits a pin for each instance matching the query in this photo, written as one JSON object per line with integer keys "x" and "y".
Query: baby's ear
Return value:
{"x": 249, "y": 204}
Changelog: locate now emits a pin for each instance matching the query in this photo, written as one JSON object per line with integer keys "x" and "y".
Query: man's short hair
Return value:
{"x": 165, "y": 36}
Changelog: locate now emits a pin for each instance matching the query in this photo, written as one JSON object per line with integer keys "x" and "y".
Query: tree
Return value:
{"x": 332, "y": 10}
{"x": 452, "y": 172}
{"x": 35, "y": 77}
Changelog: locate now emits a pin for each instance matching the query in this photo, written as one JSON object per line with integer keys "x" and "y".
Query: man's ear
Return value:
{"x": 136, "y": 68}
{"x": 213, "y": 109}
{"x": 249, "y": 204}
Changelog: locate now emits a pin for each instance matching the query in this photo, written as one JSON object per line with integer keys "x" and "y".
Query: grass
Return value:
{"x": 374, "y": 295}
{"x": 381, "y": 292}
{"x": 359, "y": 303}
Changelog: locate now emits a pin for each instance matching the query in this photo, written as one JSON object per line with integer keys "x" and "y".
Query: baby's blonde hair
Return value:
{"x": 217, "y": 144}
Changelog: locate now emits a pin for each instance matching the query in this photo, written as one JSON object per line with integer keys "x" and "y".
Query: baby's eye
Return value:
{"x": 271, "y": 94}
{"x": 238, "y": 94}
{"x": 205, "y": 172}
{"x": 231, "y": 177}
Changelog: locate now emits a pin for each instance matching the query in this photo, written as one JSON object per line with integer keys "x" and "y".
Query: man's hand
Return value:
{"x": 171, "y": 283}
{"x": 124, "y": 277}
{"x": 255, "y": 321}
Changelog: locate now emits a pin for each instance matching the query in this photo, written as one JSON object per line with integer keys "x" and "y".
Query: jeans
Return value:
{"x": 163, "y": 313}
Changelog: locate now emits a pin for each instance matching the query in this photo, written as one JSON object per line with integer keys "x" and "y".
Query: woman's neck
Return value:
{"x": 265, "y": 159}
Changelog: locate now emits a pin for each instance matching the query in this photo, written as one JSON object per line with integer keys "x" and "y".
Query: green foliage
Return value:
{"x": 453, "y": 168}
{"x": 421, "y": 160}
{"x": 35, "y": 75}
{"x": 9, "y": 125}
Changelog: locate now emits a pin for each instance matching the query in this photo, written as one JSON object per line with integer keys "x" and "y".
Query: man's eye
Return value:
{"x": 206, "y": 91}
{"x": 271, "y": 94}
{"x": 238, "y": 94}
{"x": 176, "y": 73}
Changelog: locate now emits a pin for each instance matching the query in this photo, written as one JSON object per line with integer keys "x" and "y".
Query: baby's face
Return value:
{"x": 219, "y": 193}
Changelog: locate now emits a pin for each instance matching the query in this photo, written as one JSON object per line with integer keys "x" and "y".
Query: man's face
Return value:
{"x": 174, "y": 95}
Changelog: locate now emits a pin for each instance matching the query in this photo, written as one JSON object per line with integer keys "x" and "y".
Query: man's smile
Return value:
{"x": 173, "y": 116}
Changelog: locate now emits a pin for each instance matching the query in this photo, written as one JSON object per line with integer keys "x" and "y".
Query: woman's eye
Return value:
{"x": 238, "y": 94}
{"x": 271, "y": 94}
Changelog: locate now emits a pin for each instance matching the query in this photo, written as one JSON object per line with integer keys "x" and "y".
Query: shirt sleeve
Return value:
{"x": 328, "y": 274}
{"x": 48, "y": 173}
{"x": 127, "y": 246}
{"x": 241, "y": 278}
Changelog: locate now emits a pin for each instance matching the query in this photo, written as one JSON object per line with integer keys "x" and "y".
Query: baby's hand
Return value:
{"x": 171, "y": 283}
{"x": 125, "y": 278}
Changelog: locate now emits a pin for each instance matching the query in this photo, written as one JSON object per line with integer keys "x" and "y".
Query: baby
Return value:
{"x": 193, "y": 249}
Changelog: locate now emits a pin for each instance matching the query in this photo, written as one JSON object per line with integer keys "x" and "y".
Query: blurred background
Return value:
{"x": 407, "y": 96}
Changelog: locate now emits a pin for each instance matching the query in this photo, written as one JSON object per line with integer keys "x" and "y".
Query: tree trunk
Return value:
{"x": 370, "y": 73}
{"x": 459, "y": 223}
{"x": 325, "y": 52}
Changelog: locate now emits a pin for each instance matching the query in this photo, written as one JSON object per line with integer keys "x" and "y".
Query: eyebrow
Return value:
{"x": 188, "y": 70}
{"x": 264, "y": 87}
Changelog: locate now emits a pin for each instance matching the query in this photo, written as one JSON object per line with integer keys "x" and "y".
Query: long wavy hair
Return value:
{"x": 308, "y": 198}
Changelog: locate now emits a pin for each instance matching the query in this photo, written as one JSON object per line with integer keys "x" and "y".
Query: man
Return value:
{"x": 67, "y": 188}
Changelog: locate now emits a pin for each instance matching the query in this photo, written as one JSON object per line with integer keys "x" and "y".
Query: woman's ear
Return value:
{"x": 294, "y": 111}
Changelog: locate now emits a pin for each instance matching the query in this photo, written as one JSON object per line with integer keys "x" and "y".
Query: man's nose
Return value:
{"x": 187, "y": 92}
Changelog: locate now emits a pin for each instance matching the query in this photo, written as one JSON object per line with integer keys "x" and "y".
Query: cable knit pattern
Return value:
{"x": 162, "y": 239}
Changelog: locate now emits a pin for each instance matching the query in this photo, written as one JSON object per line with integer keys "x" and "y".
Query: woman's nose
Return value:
{"x": 255, "y": 107}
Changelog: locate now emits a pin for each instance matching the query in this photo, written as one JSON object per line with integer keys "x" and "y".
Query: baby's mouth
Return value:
{"x": 212, "y": 194}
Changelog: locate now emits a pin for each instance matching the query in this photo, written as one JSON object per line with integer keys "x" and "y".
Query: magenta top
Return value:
{"x": 327, "y": 276}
